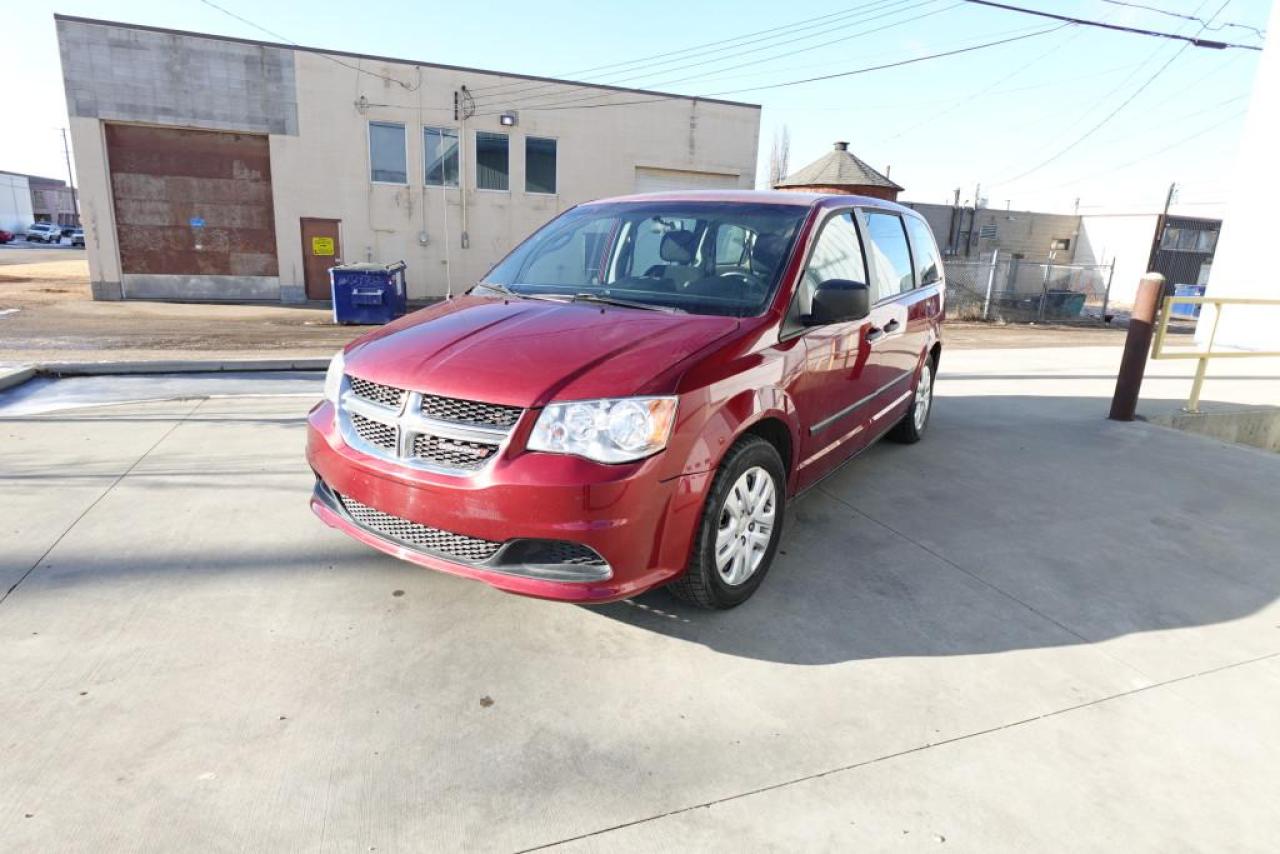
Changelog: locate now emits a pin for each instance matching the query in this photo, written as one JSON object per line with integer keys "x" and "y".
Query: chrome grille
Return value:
{"x": 374, "y": 432}
{"x": 469, "y": 411}
{"x": 377, "y": 392}
{"x": 453, "y": 453}
{"x": 425, "y": 431}
{"x": 445, "y": 543}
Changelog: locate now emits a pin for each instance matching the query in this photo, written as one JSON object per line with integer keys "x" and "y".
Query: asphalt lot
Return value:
{"x": 1036, "y": 630}
{"x": 19, "y": 251}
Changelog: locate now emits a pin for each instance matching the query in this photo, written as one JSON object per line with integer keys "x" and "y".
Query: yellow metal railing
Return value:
{"x": 1203, "y": 356}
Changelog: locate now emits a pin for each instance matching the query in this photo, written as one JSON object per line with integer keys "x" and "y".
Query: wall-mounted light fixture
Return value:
{"x": 509, "y": 120}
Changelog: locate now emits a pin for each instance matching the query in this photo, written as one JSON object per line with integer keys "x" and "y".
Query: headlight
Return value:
{"x": 333, "y": 379}
{"x": 608, "y": 431}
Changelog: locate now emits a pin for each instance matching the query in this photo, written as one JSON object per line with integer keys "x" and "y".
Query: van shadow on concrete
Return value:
{"x": 1020, "y": 522}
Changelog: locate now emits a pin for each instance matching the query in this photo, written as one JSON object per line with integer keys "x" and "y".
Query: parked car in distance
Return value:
{"x": 5, "y": 236}
{"x": 44, "y": 232}
{"x": 77, "y": 237}
{"x": 632, "y": 396}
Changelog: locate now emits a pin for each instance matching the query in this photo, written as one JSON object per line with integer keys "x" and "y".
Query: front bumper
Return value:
{"x": 642, "y": 526}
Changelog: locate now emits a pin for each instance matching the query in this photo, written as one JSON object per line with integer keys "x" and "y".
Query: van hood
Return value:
{"x": 523, "y": 352}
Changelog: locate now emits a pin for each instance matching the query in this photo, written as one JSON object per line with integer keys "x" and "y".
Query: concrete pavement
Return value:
{"x": 1035, "y": 630}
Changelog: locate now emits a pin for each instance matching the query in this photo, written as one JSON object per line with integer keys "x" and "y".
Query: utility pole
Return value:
{"x": 66, "y": 151}
{"x": 953, "y": 228}
{"x": 1160, "y": 225}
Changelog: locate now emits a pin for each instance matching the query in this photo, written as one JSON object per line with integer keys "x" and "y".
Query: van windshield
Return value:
{"x": 699, "y": 257}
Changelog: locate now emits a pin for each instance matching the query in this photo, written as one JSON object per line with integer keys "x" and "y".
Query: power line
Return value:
{"x": 865, "y": 70}
{"x": 898, "y": 64}
{"x": 955, "y": 105}
{"x": 667, "y": 82}
{"x": 332, "y": 59}
{"x": 1150, "y": 154}
{"x": 1262, "y": 34}
{"x": 913, "y": 105}
{"x": 1109, "y": 116}
{"x": 1192, "y": 40}
{"x": 701, "y": 49}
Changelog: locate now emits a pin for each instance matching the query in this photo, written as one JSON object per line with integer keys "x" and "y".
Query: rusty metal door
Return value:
{"x": 192, "y": 202}
{"x": 320, "y": 251}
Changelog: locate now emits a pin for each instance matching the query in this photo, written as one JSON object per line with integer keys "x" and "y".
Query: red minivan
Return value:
{"x": 631, "y": 396}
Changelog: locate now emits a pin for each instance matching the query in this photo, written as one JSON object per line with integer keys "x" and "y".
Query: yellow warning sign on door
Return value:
{"x": 322, "y": 246}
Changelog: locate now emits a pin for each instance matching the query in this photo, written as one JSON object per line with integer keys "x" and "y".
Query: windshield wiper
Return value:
{"x": 625, "y": 303}
{"x": 505, "y": 291}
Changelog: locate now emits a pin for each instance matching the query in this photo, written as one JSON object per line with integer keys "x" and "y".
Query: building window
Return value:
{"x": 987, "y": 232}
{"x": 493, "y": 164}
{"x": 539, "y": 165}
{"x": 1189, "y": 240}
{"x": 387, "y": 162}
{"x": 440, "y": 148}
{"x": 1061, "y": 243}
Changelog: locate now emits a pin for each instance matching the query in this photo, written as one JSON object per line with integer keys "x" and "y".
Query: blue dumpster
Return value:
{"x": 368, "y": 294}
{"x": 1183, "y": 309}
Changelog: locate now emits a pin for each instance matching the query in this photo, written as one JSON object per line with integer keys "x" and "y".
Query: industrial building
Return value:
{"x": 48, "y": 200}
{"x": 217, "y": 168}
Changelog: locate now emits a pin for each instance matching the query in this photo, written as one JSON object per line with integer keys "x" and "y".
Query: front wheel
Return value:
{"x": 911, "y": 428}
{"x": 741, "y": 524}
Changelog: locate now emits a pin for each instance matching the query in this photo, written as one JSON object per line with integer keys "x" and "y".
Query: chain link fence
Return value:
{"x": 1019, "y": 291}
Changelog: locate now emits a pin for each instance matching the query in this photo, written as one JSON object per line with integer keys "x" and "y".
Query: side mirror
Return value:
{"x": 839, "y": 300}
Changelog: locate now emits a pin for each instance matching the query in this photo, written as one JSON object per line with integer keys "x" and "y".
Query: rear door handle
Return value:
{"x": 891, "y": 325}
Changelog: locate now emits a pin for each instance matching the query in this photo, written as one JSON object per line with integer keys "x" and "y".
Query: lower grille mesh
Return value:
{"x": 456, "y": 546}
{"x": 558, "y": 552}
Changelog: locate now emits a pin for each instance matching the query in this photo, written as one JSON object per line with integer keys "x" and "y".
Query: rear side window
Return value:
{"x": 925, "y": 250}
{"x": 889, "y": 254}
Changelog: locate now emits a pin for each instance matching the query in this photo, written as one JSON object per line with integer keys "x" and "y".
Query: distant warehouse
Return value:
{"x": 215, "y": 168}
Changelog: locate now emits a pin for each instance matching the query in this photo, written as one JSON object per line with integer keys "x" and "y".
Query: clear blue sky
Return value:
{"x": 985, "y": 117}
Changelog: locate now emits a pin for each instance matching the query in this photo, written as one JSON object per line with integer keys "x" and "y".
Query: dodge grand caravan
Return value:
{"x": 630, "y": 397}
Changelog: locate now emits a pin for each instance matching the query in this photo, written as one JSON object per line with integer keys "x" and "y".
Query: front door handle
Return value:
{"x": 891, "y": 326}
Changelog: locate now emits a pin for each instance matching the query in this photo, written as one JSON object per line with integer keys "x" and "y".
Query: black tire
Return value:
{"x": 911, "y": 429}
{"x": 702, "y": 583}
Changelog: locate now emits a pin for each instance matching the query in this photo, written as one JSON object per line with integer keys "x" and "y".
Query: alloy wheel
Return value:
{"x": 924, "y": 396}
{"x": 746, "y": 526}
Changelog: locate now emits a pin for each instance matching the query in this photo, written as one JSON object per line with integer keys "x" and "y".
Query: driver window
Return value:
{"x": 836, "y": 255}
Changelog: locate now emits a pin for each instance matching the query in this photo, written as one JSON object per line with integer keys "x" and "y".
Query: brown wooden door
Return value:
{"x": 320, "y": 251}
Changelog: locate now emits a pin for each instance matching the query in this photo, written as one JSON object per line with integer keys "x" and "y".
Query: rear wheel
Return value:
{"x": 741, "y": 524}
{"x": 911, "y": 428}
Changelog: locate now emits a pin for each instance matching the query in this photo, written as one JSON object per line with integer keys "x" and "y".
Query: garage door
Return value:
{"x": 192, "y": 202}
{"x": 650, "y": 180}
